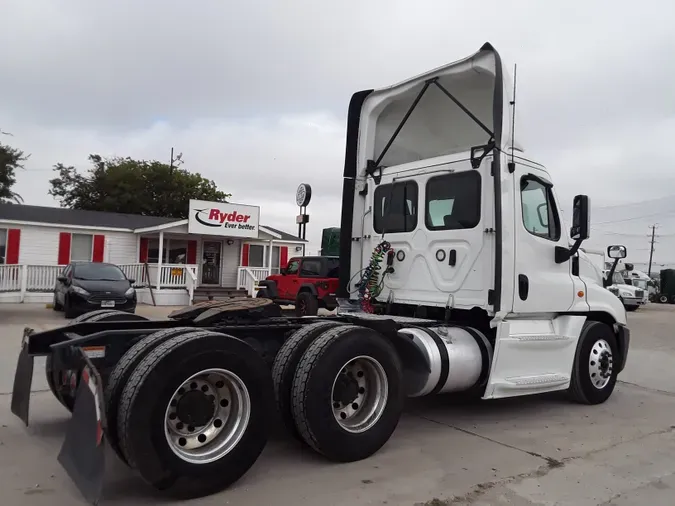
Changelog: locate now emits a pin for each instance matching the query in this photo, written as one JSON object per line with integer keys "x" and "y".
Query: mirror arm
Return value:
{"x": 562, "y": 254}
{"x": 608, "y": 280}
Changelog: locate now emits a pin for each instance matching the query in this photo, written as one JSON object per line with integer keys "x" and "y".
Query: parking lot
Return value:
{"x": 532, "y": 451}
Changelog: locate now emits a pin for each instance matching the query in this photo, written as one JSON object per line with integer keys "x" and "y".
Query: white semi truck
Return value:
{"x": 631, "y": 295}
{"x": 457, "y": 275}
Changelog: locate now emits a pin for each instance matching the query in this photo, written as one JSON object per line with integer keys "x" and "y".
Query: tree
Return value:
{"x": 11, "y": 159}
{"x": 124, "y": 185}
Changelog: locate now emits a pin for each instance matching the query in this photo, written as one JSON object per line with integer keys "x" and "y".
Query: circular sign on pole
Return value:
{"x": 303, "y": 195}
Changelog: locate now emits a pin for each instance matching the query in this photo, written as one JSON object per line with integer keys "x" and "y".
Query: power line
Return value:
{"x": 636, "y": 218}
{"x": 641, "y": 202}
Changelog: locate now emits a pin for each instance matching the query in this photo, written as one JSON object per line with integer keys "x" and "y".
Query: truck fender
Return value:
{"x": 270, "y": 286}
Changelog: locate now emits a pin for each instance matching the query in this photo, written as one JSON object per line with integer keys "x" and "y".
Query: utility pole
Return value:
{"x": 651, "y": 251}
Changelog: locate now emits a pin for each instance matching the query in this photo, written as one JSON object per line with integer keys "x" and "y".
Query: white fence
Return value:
{"x": 248, "y": 278}
{"x": 42, "y": 278}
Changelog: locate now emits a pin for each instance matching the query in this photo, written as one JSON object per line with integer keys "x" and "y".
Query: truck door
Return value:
{"x": 535, "y": 354}
{"x": 288, "y": 283}
{"x": 541, "y": 285}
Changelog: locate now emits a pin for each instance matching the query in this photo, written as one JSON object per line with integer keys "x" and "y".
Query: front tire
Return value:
{"x": 347, "y": 393}
{"x": 262, "y": 294}
{"x": 594, "y": 373}
{"x": 55, "y": 304}
{"x": 162, "y": 419}
{"x": 631, "y": 308}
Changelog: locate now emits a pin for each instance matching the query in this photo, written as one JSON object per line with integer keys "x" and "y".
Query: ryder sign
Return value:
{"x": 216, "y": 218}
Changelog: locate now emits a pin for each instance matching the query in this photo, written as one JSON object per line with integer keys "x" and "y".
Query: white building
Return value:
{"x": 220, "y": 248}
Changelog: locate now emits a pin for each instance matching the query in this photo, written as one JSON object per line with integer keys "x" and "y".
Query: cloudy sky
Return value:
{"x": 255, "y": 93}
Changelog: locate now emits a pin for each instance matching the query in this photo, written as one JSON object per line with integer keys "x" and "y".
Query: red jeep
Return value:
{"x": 308, "y": 282}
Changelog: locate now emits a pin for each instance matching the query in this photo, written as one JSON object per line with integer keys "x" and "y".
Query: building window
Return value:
{"x": 258, "y": 256}
{"x": 81, "y": 248}
{"x": 175, "y": 251}
{"x": 3, "y": 246}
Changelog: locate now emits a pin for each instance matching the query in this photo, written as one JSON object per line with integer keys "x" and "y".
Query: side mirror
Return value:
{"x": 616, "y": 252}
{"x": 61, "y": 279}
{"x": 131, "y": 281}
{"x": 581, "y": 218}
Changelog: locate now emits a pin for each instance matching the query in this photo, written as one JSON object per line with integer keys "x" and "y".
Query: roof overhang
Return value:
{"x": 62, "y": 225}
{"x": 159, "y": 228}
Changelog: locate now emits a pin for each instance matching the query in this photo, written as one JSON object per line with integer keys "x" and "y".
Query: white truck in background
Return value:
{"x": 631, "y": 296}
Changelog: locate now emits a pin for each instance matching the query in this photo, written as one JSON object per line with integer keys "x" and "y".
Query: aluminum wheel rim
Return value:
{"x": 372, "y": 392}
{"x": 600, "y": 364}
{"x": 229, "y": 399}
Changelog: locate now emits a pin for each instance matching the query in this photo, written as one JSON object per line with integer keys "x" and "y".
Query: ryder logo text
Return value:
{"x": 216, "y": 218}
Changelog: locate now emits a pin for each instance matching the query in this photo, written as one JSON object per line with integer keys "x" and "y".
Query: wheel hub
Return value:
{"x": 600, "y": 364}
{"x": 196, "y": 408}
{"x": 207, "y": 416}
{"x": 359, "y": 395}
{"x": 346, "y": 389}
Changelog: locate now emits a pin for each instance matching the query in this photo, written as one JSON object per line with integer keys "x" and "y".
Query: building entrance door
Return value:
{"x": 211, "y": 262}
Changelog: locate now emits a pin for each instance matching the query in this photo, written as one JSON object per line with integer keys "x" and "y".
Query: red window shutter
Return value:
{"x": 244, "y": 255}
{"x": 283, "y": 256}
{"x": 64, "y": 248}
{"x": 13, "y": 244}
{"x": 192, "y": 252}
{"x": 143, "y": 253}
{"x": 99, "y": 247}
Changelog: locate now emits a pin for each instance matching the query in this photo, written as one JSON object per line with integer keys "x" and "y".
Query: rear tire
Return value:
{"x": 123, "y": 370}
{"x": 262, "y": 294}
{"x": 306, "y": 305}
{"x": 327, "y": 387}
{"x": 285, "y": 365}
{"x": 54, "y": 375}
{"x": 594, "y": 372}
{"x": 147, "y": 430}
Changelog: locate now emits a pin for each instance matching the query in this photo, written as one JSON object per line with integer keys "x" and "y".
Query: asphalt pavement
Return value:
{"x": 527, "y": 451}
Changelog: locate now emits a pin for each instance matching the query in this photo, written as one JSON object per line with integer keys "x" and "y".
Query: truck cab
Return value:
{"x": 630, "y": 296}
{"x": 444, "y": 216}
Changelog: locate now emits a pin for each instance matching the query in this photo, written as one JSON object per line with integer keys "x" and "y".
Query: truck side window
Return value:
{"x": 395, "y": 208}
{"x": 453, "y": 201}
{"x": 540, "y": 216}
{"x": 311, "y": 267}
{"x": 292, "y": 267}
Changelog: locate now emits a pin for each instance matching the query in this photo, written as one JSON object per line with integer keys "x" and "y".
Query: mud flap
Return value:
{"x": 83, "y": 452}
{"x": 23, "y": 380}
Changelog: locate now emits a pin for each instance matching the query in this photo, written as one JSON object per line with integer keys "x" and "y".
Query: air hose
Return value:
{"x": 369, "y": 286}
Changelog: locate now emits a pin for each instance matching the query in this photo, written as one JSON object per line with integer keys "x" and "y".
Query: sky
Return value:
{"x": 255, "y": 94}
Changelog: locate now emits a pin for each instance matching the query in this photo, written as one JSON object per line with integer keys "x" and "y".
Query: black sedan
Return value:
{"x": 86, "y": 286}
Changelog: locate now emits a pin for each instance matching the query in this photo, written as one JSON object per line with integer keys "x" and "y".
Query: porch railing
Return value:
{"x": 248, "y": 277}
{"x": 10, "y": 278}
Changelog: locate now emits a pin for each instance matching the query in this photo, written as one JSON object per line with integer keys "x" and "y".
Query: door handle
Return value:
{"x": 452, "y": 257}
{"x": 523, "y": 286}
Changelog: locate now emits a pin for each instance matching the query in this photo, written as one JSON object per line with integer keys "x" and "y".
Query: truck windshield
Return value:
{"x": 617, "y": 279}
{"x": 640, "y": 283}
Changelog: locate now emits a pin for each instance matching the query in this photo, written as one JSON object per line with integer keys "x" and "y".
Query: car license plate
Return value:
{"x": 108, "y": 303}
